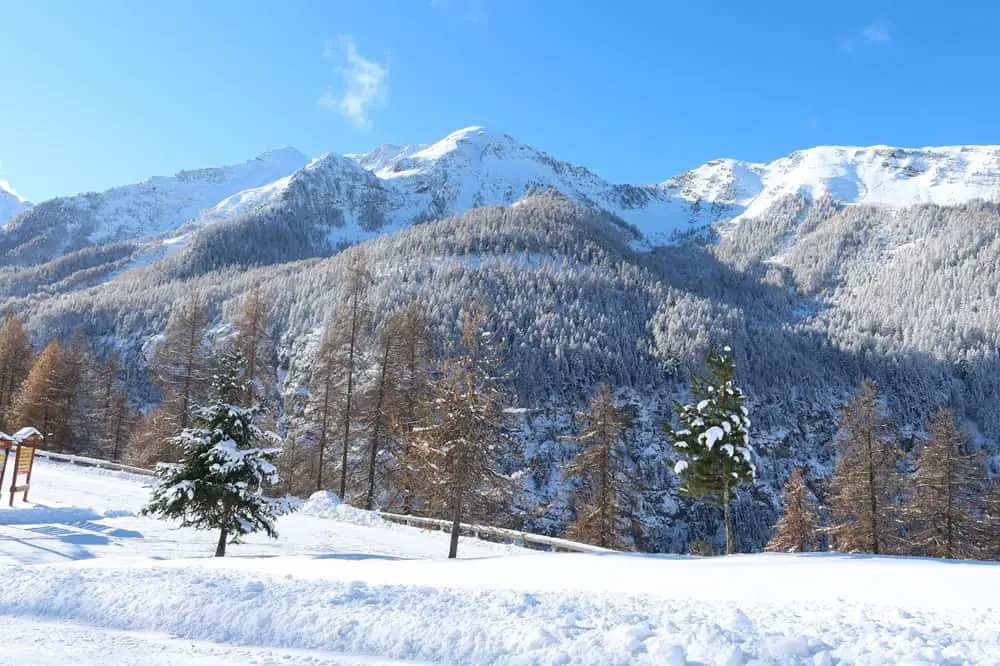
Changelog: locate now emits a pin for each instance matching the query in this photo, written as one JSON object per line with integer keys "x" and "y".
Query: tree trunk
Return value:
{"x": 370, "y": 496}
{"x": 220, "y": 549}
{"x": 873, "y": 497}
{"x": 726, "y": 516}
{"x": 322, "y": 433}
{"x": 350, "y": 388}
{"x": 188, "y": 379}
{"x": 456, "y": 527}
{"x": 950, "y": 528}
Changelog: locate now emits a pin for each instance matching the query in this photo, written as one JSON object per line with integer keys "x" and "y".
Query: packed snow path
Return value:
{"x": 347, "y": 588}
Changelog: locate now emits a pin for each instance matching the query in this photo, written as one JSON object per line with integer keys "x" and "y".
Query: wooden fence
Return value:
{"x": 500, "y": 534}
{"x": 92, "y": 462}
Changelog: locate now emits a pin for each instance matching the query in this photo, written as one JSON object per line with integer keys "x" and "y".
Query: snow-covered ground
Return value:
{"x": 86, "y": 579}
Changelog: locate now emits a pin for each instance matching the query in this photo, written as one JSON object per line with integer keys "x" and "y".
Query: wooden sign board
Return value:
{"x": 25, "y": 456}
{"x": 27, "y": 439}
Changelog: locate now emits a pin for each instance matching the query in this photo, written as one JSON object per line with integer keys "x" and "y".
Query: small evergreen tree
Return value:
{"x": 15, "y": 364}
{"x": 459, "y": 449}
{"x": 942, "y": 509}
{"x": 252, "y": 340}
{"x": 220, "y": 480}
{"x": 43, "y": 397}
{"x": 714, "y": 439}
{"x": 598, "y": 469}
{"x": 865, "y": 485}
{"x": 797, "y": 529}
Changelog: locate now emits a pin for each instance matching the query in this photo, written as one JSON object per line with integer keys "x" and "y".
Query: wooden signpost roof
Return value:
{"x": 24, "y": 434}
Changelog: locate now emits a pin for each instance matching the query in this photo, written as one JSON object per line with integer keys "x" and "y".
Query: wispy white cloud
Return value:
{"x": 366, "y": 84}
{"x": 874, "y": 34}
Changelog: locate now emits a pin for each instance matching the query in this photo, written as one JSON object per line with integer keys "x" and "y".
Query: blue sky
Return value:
{"x": 97, "y": 93}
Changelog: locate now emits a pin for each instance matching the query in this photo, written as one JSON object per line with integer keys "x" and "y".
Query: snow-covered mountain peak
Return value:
{"x": 381, "y": 160}
{"x": 468, "y": 148}
{"x": 7, "y": 189}
{"x": 469, "y": 139}
{"x": 140, "y": 210}
{"x": 11, "y": 203}
{"x": 285, "y": 155}
{"x": 723, "y": 181}
{"x": 870, "y": 175}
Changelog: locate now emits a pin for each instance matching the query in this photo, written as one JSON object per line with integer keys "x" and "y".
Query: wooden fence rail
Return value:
{"x": 92, "y": 462}
{"x": 502, "y": 534}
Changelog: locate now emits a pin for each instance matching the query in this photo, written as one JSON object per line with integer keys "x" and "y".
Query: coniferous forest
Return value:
{"x": 529, "y": 367}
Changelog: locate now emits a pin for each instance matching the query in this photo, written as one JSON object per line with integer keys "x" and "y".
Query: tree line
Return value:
{"x": 937, "y": 502}
{"x": 396, "y": 410}
{"x": 424, "y": 425}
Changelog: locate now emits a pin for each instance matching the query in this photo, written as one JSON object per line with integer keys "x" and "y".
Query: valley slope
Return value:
{"x": 820, "y": 269}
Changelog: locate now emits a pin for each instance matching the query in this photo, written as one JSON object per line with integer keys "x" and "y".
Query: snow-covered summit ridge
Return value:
{"x": 476, "y": 166}
{"x": 7, "y": 189}
{"x": 852, "y": 175}
{"x": 11, "y": 203}
{"x": 151, "y": 207}
{"x": 361, "y": 195}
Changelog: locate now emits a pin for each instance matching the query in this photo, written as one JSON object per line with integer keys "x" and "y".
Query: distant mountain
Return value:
{"x": 133, "y": 212}
{"x": 468, "y": 169}
{"x": 476, "y": 167}
{"x": 11, "y": 202}
{"x": 336, "y": 200}
{"x": 874, "y": 176}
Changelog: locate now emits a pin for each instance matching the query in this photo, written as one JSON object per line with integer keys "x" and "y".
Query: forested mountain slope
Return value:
{"x": 812, "y": 299}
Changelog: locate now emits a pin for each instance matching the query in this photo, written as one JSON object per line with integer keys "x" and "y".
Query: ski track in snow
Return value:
{"x": 91, "y": 583}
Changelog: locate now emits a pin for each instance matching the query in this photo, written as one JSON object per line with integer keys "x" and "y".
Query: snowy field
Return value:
{"x": 88, "y": 581}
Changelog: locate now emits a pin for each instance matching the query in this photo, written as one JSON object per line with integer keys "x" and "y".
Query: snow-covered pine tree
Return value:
{"x": 797, "y": 529}
{"x": 220, "y": 480}
{"x": 714, "y": 439}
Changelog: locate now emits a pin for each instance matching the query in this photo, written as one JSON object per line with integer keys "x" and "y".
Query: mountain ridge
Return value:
{"x": 476, "y": 166}
{"x": 135, "y": 211}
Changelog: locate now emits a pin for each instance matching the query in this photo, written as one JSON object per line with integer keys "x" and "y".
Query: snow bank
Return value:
{"x": 323, "y": 504}
{"x": 545, "y": 609}
{"x": 341, "y": 581}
